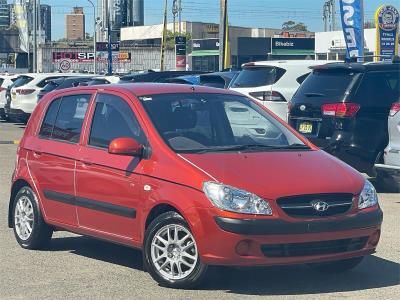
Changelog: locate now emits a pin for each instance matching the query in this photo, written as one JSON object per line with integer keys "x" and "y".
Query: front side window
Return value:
{"x": 216, "y": 122}
{"x": 64, "y": 118}
{"x": 113, "y": 118}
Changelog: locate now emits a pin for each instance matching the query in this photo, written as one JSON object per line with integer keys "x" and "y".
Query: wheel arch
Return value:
{"x": 158, "y": 210}
{"x": 17, "y": 185}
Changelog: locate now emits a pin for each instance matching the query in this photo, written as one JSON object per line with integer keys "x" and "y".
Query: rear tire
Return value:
{"x": 30, "y": 229}
{"x": 338, "y": 266}
{"x": 170, "y": 253}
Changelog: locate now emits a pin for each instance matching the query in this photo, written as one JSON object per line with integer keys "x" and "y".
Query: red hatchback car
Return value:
{"x": 193, "y": 176}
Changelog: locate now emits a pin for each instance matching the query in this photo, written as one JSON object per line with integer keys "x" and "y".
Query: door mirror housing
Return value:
{"x": 125, "y": 146}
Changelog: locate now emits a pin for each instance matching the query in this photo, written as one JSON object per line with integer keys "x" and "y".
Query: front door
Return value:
{"x": 108, "y": 185}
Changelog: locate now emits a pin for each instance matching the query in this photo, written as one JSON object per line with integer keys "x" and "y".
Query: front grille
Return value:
{"x": 314, "y": 248}
{"x": 301, "y": 206}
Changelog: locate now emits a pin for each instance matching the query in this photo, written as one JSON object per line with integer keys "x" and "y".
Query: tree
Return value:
{"x": 170, "y": 44}
{"x": 293, "y": 26}
{"x": 88, "y": 37}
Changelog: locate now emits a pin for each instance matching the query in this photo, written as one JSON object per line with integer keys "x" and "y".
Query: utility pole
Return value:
{"x": 34, "y": 68}
{"x": 175, "y": 11}
{"x": 94, "y": 38}
{"x": 180, "y": 17}
{"x": 110, "y": 67}
{"x": 222, "y": 34}
{"x": 164, "y": 38}
{"x": 333, "y": 4}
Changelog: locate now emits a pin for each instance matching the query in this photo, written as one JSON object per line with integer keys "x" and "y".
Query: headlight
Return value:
{"x": 368, "y": 196}
{"x": 232, "y": 199}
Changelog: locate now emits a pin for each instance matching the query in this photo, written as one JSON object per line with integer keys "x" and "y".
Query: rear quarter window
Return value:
{"x": 379, "y": 89}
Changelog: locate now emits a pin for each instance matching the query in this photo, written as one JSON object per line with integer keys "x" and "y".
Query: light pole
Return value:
{"x": 94, "y": 38}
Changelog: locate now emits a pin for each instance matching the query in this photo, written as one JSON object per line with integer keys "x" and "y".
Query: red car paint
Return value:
{"x": 166, "y": 177}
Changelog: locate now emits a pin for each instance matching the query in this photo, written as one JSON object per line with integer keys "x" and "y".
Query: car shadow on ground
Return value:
{"x": 374, "y": 272}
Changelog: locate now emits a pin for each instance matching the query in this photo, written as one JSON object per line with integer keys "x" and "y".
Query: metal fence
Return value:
{"x": 81, "y": 59}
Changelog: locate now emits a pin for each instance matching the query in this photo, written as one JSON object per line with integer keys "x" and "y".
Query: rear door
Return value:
{"x": 53, "y": 153}
{"x": 108, "y": 186}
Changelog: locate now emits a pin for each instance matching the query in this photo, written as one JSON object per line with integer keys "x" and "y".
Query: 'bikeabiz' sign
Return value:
{"x": 387, "y": 32}
{"x": 352, "y": 17}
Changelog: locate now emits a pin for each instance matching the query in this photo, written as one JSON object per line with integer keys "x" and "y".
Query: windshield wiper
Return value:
{"x": 314, "y": 95}
{"x": 245, "y": 148}
{"x": 293, "y": 146}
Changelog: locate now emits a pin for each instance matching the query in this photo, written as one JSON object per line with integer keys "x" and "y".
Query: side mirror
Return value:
{"x": 125, "y": 146}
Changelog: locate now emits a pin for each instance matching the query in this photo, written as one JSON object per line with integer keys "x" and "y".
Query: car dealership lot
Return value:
{"x": 80, "y": 267}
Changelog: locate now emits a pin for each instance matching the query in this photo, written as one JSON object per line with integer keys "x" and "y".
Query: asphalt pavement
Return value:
{"x": 76, "y": 267}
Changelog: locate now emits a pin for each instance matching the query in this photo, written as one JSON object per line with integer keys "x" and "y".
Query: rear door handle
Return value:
{"x": 37, "y": 154}
{"x": 87, "y": 161}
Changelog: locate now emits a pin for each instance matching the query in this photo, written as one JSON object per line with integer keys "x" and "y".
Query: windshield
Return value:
{"x": 326, "y": 83}
{"x": 257, "y": 76}
{"x": 216, "y": 122}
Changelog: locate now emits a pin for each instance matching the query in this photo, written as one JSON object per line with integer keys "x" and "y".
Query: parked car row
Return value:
{"x": 19, "y": 94}
{"x": 341, "y": 107}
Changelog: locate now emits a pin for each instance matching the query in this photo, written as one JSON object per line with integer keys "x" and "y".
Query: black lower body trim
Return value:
{"x": 91, "y": 204}
{"x": 274, "y": 227}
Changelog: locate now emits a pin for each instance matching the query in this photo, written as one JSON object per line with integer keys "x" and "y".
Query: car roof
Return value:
{"x": 143, "y": 89}
{"x": 359, "y": 67}
{"x": 276, "y": 63}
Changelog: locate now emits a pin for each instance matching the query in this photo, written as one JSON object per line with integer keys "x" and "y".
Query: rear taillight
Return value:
{"x": 268, "y": 96}
{"x": 24, "y": 91}
{"x": 340, "y": 109}
{"x": 395, "y": 109}
{"x": 2, "y": 89}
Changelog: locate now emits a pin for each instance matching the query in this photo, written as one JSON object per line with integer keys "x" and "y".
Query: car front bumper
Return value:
{"x": 264, "y": 242}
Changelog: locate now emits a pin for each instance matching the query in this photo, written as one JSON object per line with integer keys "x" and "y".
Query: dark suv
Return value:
{"x": 344, "y": 107}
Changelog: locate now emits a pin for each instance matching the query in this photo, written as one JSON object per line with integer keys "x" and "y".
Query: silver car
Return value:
{"x": 389, "y": 170}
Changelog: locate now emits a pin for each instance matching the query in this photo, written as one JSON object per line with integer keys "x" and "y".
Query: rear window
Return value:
{"x": 22, "y": 80}
{"x": 46, "y": 81}
{"x": 50, "y": 86}
{"x": 327, "y": 83}
{"x": 257, "y": 76}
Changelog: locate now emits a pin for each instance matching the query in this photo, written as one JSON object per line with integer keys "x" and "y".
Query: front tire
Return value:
{"x": 170, "y": 252}
{"x": 30, "y": 230}
{"x": 338, "y": 266}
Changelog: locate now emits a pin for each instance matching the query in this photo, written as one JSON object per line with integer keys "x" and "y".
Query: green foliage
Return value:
{"x": 293, "y": 26}
{"x": 170, "y": 44}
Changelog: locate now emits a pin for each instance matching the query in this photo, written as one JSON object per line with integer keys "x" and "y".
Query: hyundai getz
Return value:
{"x": 193, "y": 176}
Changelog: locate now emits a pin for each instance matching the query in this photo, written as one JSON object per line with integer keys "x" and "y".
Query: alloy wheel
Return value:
{"x": 174, "y": 252}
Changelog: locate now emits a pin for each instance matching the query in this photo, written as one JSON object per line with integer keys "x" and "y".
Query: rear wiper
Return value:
{"x": 314, "y": 95}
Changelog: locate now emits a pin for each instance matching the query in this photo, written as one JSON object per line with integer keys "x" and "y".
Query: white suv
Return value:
{"x": 5, "y": 81}
{"x": 273, "y": 83}
{"x": 24, "y": 97}
{"x": 389, "y": 170}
